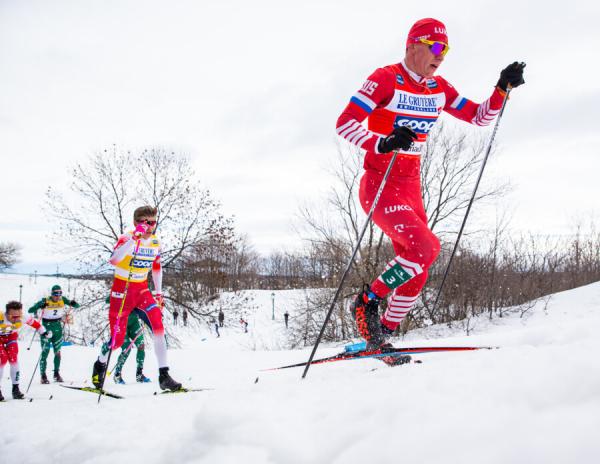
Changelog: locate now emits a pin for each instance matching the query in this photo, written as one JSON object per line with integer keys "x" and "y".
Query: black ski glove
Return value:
{"x": 44, "y": 304}
{"x": 513, "y": 75}
{"x": 401, "y": 137}
{"x": 73, "y": 303}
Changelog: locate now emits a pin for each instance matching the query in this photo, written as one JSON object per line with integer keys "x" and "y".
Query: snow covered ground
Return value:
{"x": 535, "y": 400}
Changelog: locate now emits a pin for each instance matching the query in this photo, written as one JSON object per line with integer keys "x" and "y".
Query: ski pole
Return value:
{"x": 35, "y": 333}
{"x": 31, "y": 342}
{"x": 350, "y": 261}
{"x": 113, "y": 337}
{"x": 35, "y": 370}
{"x": 485, "y": 158}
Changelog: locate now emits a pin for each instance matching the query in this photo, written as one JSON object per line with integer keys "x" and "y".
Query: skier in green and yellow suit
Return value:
{"x": 133, "y": 336}
{"x": 53, "y": 312}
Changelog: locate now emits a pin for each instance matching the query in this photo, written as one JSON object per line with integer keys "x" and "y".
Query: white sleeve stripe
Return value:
{"x": 352, "y": 128}
{"x": 391, "y": 312}
{"x": 345, "y": 126}
{"x": 404, "y": 298}
{"x": 356, "y": 135}
{"x": 360, "y": 142}
{"x": 394, "y": 319}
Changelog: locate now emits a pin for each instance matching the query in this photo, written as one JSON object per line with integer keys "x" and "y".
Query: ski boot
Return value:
{"x": 17, "y": 395}
{"x": 118, "y": 379}
{"x": 165, "y": 381}
{"x": 368, "y": 323}
{"x": 1, "y": 397}
{"x": 140, "y": 377}
{"x": 44, "y": 379}
{"x": 396, "y": 360}
{"x": 98, "y": 373}
{"x": 57, "y": 377}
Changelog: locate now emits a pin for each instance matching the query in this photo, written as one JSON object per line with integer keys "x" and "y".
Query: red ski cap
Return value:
{"x": 428, "y": 29}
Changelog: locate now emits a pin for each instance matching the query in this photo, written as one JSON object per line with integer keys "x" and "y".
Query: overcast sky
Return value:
{"x": 252, "y": 90}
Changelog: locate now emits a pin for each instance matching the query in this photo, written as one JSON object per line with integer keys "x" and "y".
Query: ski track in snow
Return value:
{"x": 535, "y": 400}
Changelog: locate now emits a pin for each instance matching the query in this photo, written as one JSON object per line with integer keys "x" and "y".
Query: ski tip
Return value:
{"x": 51, "y": 396}
{"x": 256, "y": 380}
{"x": 30, "y": 400}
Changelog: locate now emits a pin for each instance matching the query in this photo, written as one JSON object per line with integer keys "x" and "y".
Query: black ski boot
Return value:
{"x": 396, "y": 360}
{"x": 165, "y": 381}
{"x": 1, "y": 397}
{"x": 141, "y": 378}
{"x": 368, "y": 323}
{"x": 44, "y": 379}
{"x": 57, "y": 377}
{"x": 17, "y": 395}
{"x": 98, "y": 373}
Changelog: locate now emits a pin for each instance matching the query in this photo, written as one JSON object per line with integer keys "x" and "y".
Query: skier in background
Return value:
{"x": 54, "y": 314}
{"x": 10, "y": 324}
{"x": 130, "y": 290}
{"x": 286, "y": 317}
{"x": 402, "y": 103}
{"x": 221, "y": 318}
{"x": 185, "y": 317}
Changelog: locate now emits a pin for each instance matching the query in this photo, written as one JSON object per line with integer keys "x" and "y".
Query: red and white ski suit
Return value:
{"x": 9, "y": 344}
{"x": 394, "y": 96}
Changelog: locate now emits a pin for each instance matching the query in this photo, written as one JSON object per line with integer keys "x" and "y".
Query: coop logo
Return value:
{"x": 140, "y": 263}
{"x": 399, "y": 228}
{"x": 396, "y": 208}
{"x": 419, "y": 125}
{"x": 399, "y": 79}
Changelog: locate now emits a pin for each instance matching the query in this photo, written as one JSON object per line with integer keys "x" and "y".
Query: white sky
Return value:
{"x": 252, "y": 90}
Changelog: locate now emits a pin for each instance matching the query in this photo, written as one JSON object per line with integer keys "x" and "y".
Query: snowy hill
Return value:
{"x": 534, "y": 400}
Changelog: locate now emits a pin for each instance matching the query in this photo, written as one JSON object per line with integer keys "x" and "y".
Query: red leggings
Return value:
{"x": 138, "y": 296}
{"x": 400, "y": 214}
{"x": 9, "y": 349}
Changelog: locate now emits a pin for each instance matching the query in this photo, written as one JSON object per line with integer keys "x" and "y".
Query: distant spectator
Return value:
{"x": 221, "y": 318}
{"x": 185, "y": 315}
{"x": 244, "y": 324}
{"x": 286, "y": 317}
{"x": 175, "y": 316}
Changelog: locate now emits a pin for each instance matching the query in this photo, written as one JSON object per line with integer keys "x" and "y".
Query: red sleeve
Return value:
{"x": 480, "y": 114}
{"x": 33, "y": 323}
{"x": 377, "y": 91}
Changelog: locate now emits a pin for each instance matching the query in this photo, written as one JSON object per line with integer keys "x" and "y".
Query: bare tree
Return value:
{"x": 9, "y": 255}
{"x": 109, "y": 184}
{"x": 449, "y": 168}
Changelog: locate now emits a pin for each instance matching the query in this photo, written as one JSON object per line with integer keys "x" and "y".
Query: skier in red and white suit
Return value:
{"x": 401, "y": 103}
{"x": 10, "y": 324}
{"x": 136, "y": 254}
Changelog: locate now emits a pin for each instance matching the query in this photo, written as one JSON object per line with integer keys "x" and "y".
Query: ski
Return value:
{"x": 182, "y": 390}
{"x": 97, "y": 391}
{"x": 383, "y": 353}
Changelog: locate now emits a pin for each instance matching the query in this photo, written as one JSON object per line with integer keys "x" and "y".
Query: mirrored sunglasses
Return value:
{"x": 437, "y": 48}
